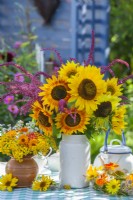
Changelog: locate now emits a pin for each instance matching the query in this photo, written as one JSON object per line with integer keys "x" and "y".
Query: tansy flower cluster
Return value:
{"x": 23, "y": 140}
{"x": 110, "y": 179}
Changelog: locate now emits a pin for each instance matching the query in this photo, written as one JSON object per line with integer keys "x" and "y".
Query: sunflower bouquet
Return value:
{"x": 110, "y": 179}
{"x": 22, "y": 140}
{"x": 76, "y": 99}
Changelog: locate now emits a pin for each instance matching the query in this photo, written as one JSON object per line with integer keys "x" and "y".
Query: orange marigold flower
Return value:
{"x": 32, "y": 142}
{"x": 111, "y": 166}
{"x": 24, "y": 129}
{"x": 23, "y": 139}
{"x": 102, "y": 180}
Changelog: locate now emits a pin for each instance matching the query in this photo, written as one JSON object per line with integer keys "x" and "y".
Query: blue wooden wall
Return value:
{"x": 70, "y": 30}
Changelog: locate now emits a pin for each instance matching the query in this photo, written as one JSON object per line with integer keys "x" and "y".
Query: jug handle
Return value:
{"x": 106, "y": 139}
{"x": 49, "y": 153}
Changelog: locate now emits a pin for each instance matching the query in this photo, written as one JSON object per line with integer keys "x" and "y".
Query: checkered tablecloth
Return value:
{"x": 58, "y": 194}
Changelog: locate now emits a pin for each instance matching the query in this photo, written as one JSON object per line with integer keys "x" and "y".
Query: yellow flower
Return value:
{"x": 7, "y": 182}
{"x": 118, "y": 123}
{"x": 91, "y": 173}
{"x": 67, "y": 187}
{"x": 73, "y": 122}
{"x": 86, "y": 87}
{"x": 23, "y": 139}
{"x": 42, "y": 117}
{"x": 32, "y": 142}
{"x": 43, "y": 184}
{"x": 113, "y": 88}
{"x": 53, "y": 91}
{"x": 107, "y": 105}
{"x": 11, "y": 133}
{"x": 68, "y": 70}
{"x": 113, "y": 186}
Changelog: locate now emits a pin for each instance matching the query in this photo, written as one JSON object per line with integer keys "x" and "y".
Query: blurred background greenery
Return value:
{"x": 121, "y": 46}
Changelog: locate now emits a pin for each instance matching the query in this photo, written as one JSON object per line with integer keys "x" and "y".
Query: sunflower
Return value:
{"x": 42, "y": 184}
{"x": 91, "y": 173}
{"x": 7, "y": 182}
{"x": 72, "y": 122}
{"x": 86, "y": 87}
{"x": 113, "y": 88}
{"x": 118, "y": 123}
{"x": 113, "y": 186}
{"x": 53, "y": 91}
{"x": 43, "y": 117}
{"x": 107, "y": 104}
{"x": 68, "y": 70}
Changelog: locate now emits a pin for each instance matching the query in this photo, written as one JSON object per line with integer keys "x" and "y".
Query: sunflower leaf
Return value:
{"x": 71, "y": 104}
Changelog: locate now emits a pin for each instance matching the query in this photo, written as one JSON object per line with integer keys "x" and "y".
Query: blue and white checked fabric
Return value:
{"x": 57, "y": 194}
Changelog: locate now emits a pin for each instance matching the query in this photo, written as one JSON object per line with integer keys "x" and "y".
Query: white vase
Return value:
{"x": 74, "y": 160}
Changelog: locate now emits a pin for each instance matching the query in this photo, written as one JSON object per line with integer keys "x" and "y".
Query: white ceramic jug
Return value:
{"x": 120, "y": 154}
{"x": 74, "y": 160}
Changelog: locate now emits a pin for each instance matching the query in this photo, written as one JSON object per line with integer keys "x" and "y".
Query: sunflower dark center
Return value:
{"x": 70, "y": 121}
{"x": 71, "y": 73}
{"x": 113, "y": 186}
{"x": 104, "y": 109}
{"x": 8, "y": 183}
{"x": 43, "y": 119}
{"x": 110, "y": 89}
{"x": 87, "y": 89}
{"x": 42, "y": 184}
{"x": 59, "y": 92}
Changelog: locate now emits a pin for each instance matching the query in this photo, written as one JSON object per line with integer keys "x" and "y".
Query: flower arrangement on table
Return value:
{"x": 76, "y": 99}
{"x": 110, "y": 179}
{"x": 22, "y": 140}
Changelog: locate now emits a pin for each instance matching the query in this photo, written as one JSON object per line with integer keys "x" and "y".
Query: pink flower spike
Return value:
{"x": 62, "y": 105}
{"x": 19, "y": 77}
{"x": 13, "y": 109}
{"x": 8, "y": 99}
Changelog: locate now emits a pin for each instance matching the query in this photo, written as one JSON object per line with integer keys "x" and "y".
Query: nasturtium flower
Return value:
{"x": 111, "y": 166}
